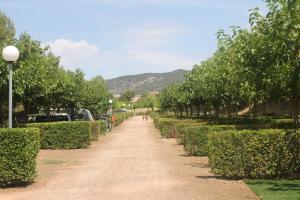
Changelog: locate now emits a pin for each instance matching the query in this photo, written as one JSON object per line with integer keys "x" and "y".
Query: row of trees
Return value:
{"x": 251, "y": 66}
{"x": 39, "y": 82}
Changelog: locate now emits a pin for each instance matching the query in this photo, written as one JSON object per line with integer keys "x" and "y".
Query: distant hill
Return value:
{"x": 144, "y": 83}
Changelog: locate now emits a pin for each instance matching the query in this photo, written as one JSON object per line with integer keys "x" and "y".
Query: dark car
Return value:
{"x": 39, "y": 118}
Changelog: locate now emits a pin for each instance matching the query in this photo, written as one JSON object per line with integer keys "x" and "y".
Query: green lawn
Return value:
{"x": 276, "y": 189}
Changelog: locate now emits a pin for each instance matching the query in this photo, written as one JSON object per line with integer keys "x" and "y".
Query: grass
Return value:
{"x": 275, "y": 189}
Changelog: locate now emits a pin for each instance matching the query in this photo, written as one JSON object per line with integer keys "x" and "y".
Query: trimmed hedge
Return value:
{"x": 18, "y": 151}
{"x": 180, "y": 127}
{"x": 167, "y": 126}
{"x": 155, "y": 116}
{"x": 254, "y": 153}
{"x": 95, "y": 129}
{"x": 103, "y": 126}
{"x": 120, "y": 117}
{"x": 195, "y": 138}
{"x": 64, "y": 135}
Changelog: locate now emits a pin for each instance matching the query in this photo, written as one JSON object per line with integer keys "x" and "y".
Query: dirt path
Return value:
{"x": 133, "y": 162}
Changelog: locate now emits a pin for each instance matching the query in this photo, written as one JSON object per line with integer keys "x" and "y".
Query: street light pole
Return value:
{"x": 10, "y": 96}
{"x": 10, "y": 54}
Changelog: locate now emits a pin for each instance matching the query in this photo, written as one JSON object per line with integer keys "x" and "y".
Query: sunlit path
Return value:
{"x": 133, "y": 162}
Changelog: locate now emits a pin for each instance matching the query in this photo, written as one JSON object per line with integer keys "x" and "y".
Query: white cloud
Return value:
{"x": 75, "y": 54}
{"x": 143, "y": 56}
{"x": 162, "y": 61}
{"x": 150, "y": 36}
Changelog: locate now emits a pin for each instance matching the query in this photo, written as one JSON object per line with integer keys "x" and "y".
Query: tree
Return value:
{"x": 127, "y": 95}
{"x": 96, "y": 95}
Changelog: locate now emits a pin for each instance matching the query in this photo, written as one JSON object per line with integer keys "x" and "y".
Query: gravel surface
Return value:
{"x": 132, "y": 162}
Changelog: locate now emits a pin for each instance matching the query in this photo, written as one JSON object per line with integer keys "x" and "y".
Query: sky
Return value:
{"x": 122, "y": 37}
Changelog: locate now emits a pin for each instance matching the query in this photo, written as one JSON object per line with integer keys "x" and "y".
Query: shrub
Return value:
{"x": 195, "y": 138}
{"x": 120, "y": 117}
{"x": 155, "y": 116}
{"x": 64, "y": 135}
{"x": 254, "y": 153}
{"x": 103, "y": 126}
{"x": 18, "y": 151}
{"x": 95, "y": 129}
{"x": 180, "y": 127}
{"x": 167, "y": 126}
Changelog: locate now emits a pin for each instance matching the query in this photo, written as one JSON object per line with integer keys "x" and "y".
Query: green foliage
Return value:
{"x": 103, "y": 126}
{"x": 250, "y": 67}
{"x": 40, "y": 83}
{"x": 147, "y": 101}
{"x": 155, "y": 116}
{"x": 127, "y": 95}
{"x": 181, "y": 126}
{"x": 167, "y": 126}
{"x": 95, "y": 129}
{"x": 195, "y": 137}
{"x": 120, "y": 117}
{"x": 96, "y": 95}
{"x": 254, "y": 153}
{"x": 18, "y": 151}
{"x": 64, "y": 135}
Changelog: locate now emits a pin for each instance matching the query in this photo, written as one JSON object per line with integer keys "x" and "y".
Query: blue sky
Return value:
{"x": 121, "y": 37}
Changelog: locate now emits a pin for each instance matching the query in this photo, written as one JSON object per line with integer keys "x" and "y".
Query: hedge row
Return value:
{"x": 167, "y": 126}
{"x": 238, "y": 150}
{"x": 254, "y": 153}
{"x": 120, "y": 117}
{"x": 18, "y": 151}
{"x": 195, "y": 138}
{"x": 66, "y": 135}
{"x": 95, "y": 129}
{"x": 103, "y": 126}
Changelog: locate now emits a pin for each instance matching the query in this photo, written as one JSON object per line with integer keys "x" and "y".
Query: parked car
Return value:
{"x": 58, "y": 117}
{"x": 120, "y": 110}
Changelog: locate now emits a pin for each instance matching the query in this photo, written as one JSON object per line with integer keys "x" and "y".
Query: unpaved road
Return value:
{"x": 131, "y": 163}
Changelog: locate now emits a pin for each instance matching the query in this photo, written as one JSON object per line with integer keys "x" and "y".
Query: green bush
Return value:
{"x": 18, "y": 151}
{"x": 195, "y": 138}
{"x": 180, "y": 127}
{"x": 155, "y": 116}
{"x": 254, "y": 153}
{"x": 95, "y": 129}
{"x": 120, "y": 117}
{"x": 167, "y": 126}
{"x": 64, "y": 135}
{"x": 103, "y": 126}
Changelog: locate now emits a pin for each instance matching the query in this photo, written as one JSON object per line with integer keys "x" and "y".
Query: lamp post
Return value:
{"x": 110, "y": 105}
{"x": 10, "y": 55}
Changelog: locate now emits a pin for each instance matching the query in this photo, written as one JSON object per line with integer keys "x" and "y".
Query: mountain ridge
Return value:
{"x": 146, "y": 82}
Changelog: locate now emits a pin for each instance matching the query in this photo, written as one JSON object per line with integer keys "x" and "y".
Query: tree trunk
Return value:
{"x": 254, "y": 110}
{"x": 191, "y": 111}
{"x": 198, "y": 110}
{"x": 176, "y": 111}
{"x": 180, "y": 110}
{"x": 295, "y": 112}
{"x": 187, "y": 110}
{"x": 217, "y": 111}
